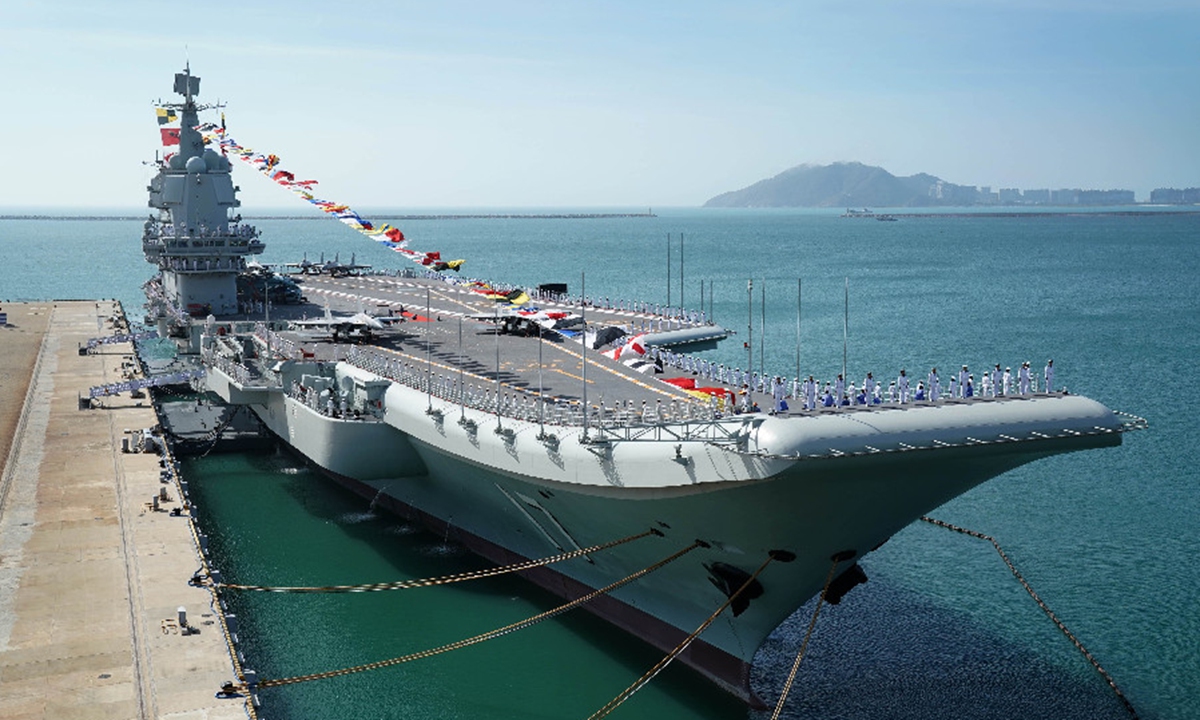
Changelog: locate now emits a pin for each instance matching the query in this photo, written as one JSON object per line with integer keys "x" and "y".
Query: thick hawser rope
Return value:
{"x": 521, "y": 625}
{"x": 1045, "y": 608}
{"x": 431, "y": 582}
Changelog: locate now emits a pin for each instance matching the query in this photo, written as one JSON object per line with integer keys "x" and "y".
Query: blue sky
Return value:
{"x": 634, "y": 104}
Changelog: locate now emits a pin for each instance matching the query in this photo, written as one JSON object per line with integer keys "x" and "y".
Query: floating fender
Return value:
{"x": 728, "y": 579}
{"x": 851, "y": 578}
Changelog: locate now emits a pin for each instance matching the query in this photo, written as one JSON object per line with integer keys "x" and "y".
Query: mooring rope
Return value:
{"x": 787, "y": 686}
{"x": 492, "y": 634}
{"x": 662, "y": 664}
{"x": 1045, "y": 608}
{"x": 430, "y": 582}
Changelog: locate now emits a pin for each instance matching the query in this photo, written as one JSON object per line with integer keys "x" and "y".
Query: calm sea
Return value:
{"x": 1108, "y": 538}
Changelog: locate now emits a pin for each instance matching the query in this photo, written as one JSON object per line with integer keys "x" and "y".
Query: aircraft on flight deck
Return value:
{"x": 359, "y": 326}
{"x": 333, "y": 268}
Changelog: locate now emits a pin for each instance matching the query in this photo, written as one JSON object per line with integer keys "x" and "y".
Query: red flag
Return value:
{"x": 395, "y": 235}
{"x": 170, "y": 136}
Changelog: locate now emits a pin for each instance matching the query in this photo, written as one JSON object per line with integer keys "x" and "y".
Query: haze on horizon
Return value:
{"x": 533, "y": 103}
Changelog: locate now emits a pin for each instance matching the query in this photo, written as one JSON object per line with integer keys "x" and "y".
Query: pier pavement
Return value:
{"x": 90, "y": 575}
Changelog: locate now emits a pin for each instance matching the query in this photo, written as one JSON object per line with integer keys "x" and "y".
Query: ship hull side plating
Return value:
{"x": 508, "y": 495}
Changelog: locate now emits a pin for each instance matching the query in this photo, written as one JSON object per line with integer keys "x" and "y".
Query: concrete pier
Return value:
{"x": 91, "y": 575}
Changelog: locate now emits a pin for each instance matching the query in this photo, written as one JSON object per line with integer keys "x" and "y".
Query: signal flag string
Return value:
{"x": 268, "y": 165}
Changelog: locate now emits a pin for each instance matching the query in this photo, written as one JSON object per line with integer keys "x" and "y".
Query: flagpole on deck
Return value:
{"x": 681, "y": 274}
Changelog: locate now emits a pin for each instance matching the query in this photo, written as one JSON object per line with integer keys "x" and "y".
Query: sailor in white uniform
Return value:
{"x": 902, "y": 387}
{"x": 935, "y": 385}
{"x": 839, "y": 391}
{"x": 997, "y": 379}
{"x": 1023, "y": 378}
{"x": 962, "y": 380}
{"x": 777, "y": 394}
{"x": 869, "y": 387}
{"x": 1050, "y": 376}
{"x": 810, "y": 393}
{"x": 1007, "y": 380}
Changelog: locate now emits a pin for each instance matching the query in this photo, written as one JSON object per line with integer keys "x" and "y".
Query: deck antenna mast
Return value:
{"x": 498, "y": 425}
{"x": 267, "y": 310}
{"x": 668, "y": 269}
{"x": 428, "y": 351}
{"x": 846, "y": 329}
{"x": 798, "y": 306}
{"x": 681, "y": 274}
{"x": 749, "y": 325}
{"x": 762, "y": 335}
{"x": 462, "y": 391}
{"x": 541, "y": 395}
{"x": 583, "y": 349}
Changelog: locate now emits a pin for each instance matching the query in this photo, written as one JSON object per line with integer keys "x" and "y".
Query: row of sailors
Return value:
{"x": 993, "y": 383}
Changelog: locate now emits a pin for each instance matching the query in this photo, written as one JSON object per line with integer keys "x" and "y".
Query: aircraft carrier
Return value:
{"x": 440, "y": 400}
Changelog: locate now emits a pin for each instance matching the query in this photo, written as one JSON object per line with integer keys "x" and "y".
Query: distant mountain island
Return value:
{"x": 855, "y": 185}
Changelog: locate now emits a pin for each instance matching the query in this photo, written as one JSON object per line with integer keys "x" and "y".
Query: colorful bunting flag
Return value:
{"x": 386, "y": 235}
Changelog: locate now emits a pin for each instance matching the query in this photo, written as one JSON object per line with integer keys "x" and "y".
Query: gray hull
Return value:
{"x": 811, "y": 486}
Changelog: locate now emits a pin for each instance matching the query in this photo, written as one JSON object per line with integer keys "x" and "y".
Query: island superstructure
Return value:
{"x": 198, "y": 243}
{"x": 523, "y": 445}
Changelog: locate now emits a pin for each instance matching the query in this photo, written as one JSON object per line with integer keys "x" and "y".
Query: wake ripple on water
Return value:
{"x": 404, "y": 529}
{"x": 354, "y": 518}
{"x": 443, "y": 549}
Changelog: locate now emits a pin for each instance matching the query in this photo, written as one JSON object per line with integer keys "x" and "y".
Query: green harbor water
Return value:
{"x": 1107, "y": 537}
